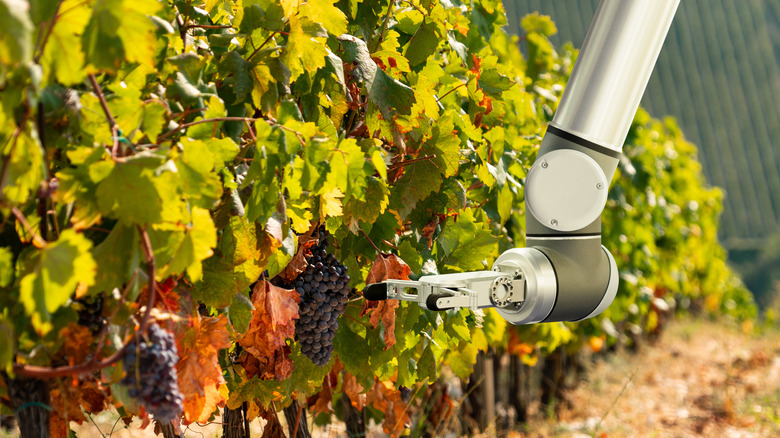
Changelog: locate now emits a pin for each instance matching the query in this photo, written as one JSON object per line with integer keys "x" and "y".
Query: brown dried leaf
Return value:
{"x": 388, "y": 267}
{"x": 273, "y": 321}
{"x": 65, "y": 406}
{"x": 321, "y": 402}
{"x": 384, "y": 397}
{"x": 77, "y": 345}
{"x": 272, "y": 429}
{"x": 200, "y": 376}
{"x": 298, "y": 262}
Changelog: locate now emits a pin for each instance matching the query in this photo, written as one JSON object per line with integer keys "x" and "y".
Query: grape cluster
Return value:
{"x": 323, "y": 288}
{"x": 90, "y": 311}
{"x": 150, "y": 374}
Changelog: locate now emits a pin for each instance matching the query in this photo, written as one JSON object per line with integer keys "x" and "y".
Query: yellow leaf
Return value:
{"x": 330, "y": 203}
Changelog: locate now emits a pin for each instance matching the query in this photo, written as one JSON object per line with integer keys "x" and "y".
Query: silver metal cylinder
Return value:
{"x": 541, "y": 288}
{"x": 613, "y": 68}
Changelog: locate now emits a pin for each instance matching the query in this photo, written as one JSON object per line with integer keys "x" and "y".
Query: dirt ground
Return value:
{"x": 700, "y": 379}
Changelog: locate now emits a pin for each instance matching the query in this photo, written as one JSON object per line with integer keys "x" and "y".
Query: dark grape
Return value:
{"x": 323, "y": 290}
{"x": 90, "y": 311}
{"x": 150, "y": 373}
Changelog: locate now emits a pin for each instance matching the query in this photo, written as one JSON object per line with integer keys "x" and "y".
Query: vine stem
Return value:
{"x": 260, "y": 47}
{"x": 39, "y": 242}
{"x": 207, "y": 26}
{"x": 39, "y": 372}
{"x": 413, "y": 160}
{"x": 372, "y": 242}
{"x": 48, "y": 32}
{"x": 449, "y": 92}
{"x": 109, "y": 117}
{"x": 297, "y": 420}
{"x": 165, "y": 135}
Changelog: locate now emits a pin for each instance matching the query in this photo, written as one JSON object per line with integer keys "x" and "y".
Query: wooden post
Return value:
{"x": 297, "y": 413}
{"x": 30, "y": 400}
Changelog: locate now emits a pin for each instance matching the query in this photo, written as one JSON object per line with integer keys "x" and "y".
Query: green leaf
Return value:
{"x": 16, "y": 42}
{"x": 239, "y": 71}
{"x": 6, "y": 344}
{"x": 135, "y": 195}
{"x": 418, "y": 181}
{"x": 154, "y": 115}
{"x": 493, "y": 82}
{"x": 25, "y": 167}
{"x": 63, "y": 59}
{"x": 264, "y": 14}
{"x": 240, "y": 311}
{"x": 177, "y": 252}
{"x": 305, "y": 50}
{"x": 391, "y": 96}
{"x": 52, "y": 275}
{"x": 372, "y": 203}
{"x": 119, "y": 256}
{"x": 235, "y": 265}
{"x": 250, "y": 390}
{"x": 6, "y": 266}
{"x": 120, "y": 30}
{"x": 43, "y": 10}
{"x": 78, "y": 185}
{"x": 464, "y": 244}
{"x": 423, "y": 43}
{"x": 539, "y": 24}
{"x": 426, "y": 366}
{"x": 326, "y": 14}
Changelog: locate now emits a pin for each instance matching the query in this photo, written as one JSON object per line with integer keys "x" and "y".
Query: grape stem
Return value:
{"x": 39, "y": 372}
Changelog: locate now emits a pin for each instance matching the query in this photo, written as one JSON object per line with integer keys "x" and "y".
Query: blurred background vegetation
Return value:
{"x": 719, "y": 76}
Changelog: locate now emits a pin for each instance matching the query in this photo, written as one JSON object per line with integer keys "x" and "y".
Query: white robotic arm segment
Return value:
{"x": 566, "y": 274}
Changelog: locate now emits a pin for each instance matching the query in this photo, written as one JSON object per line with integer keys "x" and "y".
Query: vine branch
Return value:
{"x": 39, "y": 242}
{"x": 109, "y": 117}
{"x": 413, "y": 160}
{"x": 45, "y": 39}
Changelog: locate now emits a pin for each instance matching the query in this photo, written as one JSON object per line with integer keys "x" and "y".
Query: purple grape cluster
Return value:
{"x": 323, "y": 287}
{"x": 150, "y": 373}
{"x": 90, "y": 311}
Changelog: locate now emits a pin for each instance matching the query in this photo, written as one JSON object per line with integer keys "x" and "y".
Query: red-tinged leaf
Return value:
{"x": 385, "y": 398}
{"x": 298, "y": 262}
{"x": 388, "y": 267}
{"x": 353, "y": 390}
{"x": 441, "y": 406}
{"x": 200, "y": 376}
{"x": 273, "y": 321}
{"x": 385, "y": 267}
{"x": 477, "y": 69}
{"x": 77, "y": 343}
{"x": 168, "y": 297}
{"x": 68, "y": 397}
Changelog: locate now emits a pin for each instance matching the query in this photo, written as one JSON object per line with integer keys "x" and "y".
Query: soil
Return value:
{"x": 699, "y": 379}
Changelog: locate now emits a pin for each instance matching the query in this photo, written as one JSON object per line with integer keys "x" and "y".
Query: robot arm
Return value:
{"x": 565, "y": 274}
